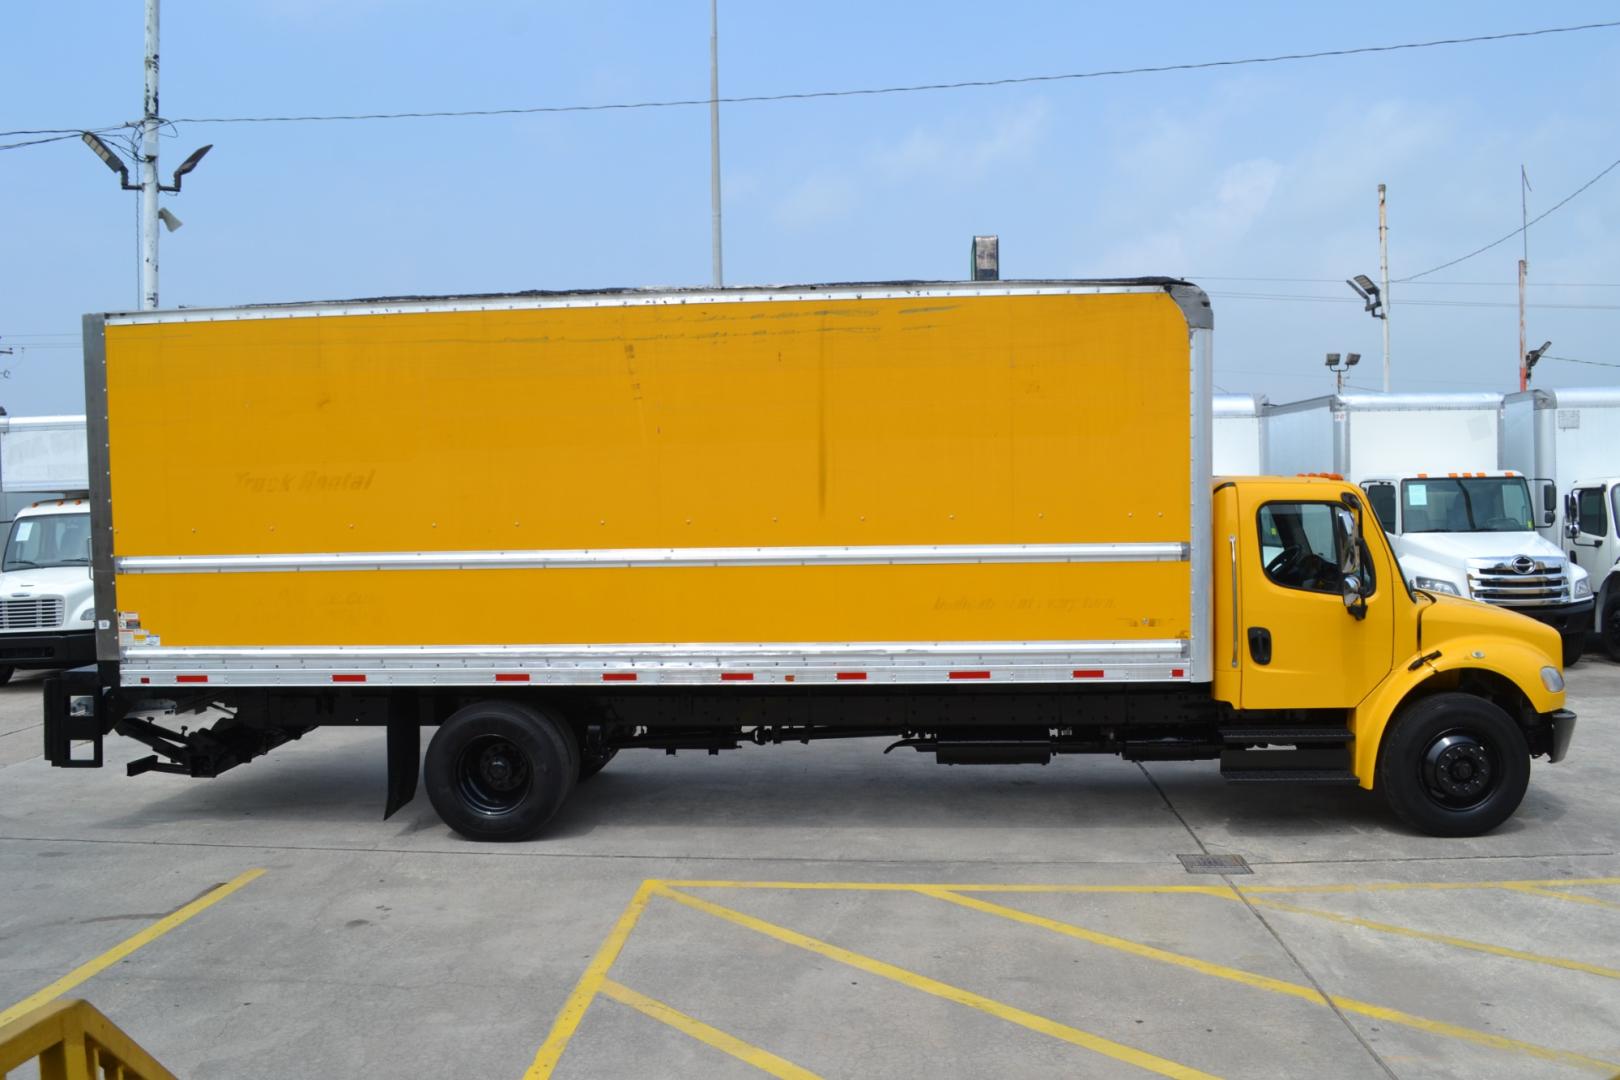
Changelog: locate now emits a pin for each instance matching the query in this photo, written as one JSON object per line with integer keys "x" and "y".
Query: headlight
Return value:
{"x": 1430, "y": 584}
{"x": 1583, "y": 588}
{"x": 1552, "y": 679}
{"x": 90, "y": 615}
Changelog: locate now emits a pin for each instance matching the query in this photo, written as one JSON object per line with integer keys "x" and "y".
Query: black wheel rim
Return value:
{"x": 493, "y": 775}
{"x": 1461, "y": 769}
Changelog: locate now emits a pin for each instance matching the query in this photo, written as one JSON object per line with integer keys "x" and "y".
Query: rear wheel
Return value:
{"x": 499, "y": 771}
{"x": 1454, "y": 765}
{"x": 1611, "y": 626}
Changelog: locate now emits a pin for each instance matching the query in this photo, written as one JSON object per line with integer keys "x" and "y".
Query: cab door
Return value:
{"x": 1590, "y": 518}
{"x": 1300, "y": 647}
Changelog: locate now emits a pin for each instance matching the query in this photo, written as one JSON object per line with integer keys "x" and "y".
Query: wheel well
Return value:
{"x": 1498, "y": 689}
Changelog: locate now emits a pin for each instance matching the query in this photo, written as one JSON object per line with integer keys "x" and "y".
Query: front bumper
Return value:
{"x": 48, "y": 649}
{"x": 1560, "y": 729}
{"x": 1575, "y": 618}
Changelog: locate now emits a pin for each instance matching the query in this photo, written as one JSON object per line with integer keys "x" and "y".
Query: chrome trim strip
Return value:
{"x": 413, "y": 305}
{"x": 637, "y": 653}
{"x": 855, "y": 555}
{"x": 1237, "y": 621}
{"x": 99, "y": 464}
{"x": 1201, "y": 468}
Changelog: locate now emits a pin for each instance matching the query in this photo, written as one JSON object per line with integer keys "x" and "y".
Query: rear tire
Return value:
{"x": 1574, "y": 647}
{"x": 6, "y": 672}
{"x": 499, "y": 771}
{"x": 1611, "y": 626}
{"x": 1454, "y": 765}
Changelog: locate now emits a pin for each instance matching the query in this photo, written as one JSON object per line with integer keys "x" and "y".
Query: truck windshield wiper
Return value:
{"x": 18, "y": 563}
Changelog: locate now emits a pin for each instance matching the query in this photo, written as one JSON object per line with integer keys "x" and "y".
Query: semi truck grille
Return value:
{"x": 35, "y": 613}
{"x": 1522, "y": 582}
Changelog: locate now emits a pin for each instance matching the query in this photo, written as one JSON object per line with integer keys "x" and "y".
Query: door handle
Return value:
{"x": 1260, "y": 645}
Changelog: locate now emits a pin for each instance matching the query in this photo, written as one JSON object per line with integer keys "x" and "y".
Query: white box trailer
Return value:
{"x": 1566, "y": 439}
{"x": 1458, "y": 526}
{"x": 1240, "y": 434}
{"x": 43, "y": 454}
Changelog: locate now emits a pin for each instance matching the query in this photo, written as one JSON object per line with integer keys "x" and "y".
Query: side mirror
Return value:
{"x": 1348, "y": 528}
{"x": 1549, "y": 503}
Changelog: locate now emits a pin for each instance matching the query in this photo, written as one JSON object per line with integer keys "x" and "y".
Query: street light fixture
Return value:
{"x": 111, "y": 160}
{"x": 1368, "y": 290}
{"x": 1334, "y": 365}
{"x": 1533, "y": 357}
{"x": 186, "y": 166}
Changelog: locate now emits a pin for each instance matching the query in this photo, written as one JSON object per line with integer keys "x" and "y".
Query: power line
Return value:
{"x": 1480, "y": 251}
{"x": 1573, "y": 360}
{"x": 964, "y": 84}
{"x": 77, "y": 133}
{"x": 1302, "y": 298}
{"x": 1438, "y": 284}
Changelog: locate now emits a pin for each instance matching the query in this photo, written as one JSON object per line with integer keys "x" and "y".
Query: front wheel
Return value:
{"x": 6, "y": 672}
{"x": 1611, "y": 626}
{"x": 1454, "y": 765}
{"x": 499, "y": 771}
{"x": 1574, "y": 646}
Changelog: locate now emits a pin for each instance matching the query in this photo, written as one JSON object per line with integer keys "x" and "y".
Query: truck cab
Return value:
{"x": 1592, "y": 541}
{"x": 47, "y": 603}
{"x": 1473, "y": 535}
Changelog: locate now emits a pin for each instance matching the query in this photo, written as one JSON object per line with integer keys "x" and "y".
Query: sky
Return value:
{"x": 1257, "y": 182}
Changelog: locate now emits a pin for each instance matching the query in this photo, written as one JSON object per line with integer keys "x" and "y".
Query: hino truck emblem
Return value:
{"x": 1524, "y": 564}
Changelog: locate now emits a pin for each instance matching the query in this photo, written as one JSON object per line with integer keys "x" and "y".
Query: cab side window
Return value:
{"x": 1299, "y": 547}
{"x": 1593, "y": 514}
{"x": 1382, "y": 497}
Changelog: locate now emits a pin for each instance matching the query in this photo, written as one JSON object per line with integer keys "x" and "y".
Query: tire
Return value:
{"x": 1454, "y": 765}
{"x": 591, "y": 764}
{"x": 6, "y": 672}
{"x": 1574, "y": 647}
{"x": 1611, "y": 626}
{"x": 500, "y": 771}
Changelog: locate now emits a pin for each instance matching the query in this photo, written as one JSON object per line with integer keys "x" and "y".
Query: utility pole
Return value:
{"x": 1524, "y": 269}
{"x": 714, "y": 135}
{"x": 1383, "y": 266}
{"x": 148, "y": 163}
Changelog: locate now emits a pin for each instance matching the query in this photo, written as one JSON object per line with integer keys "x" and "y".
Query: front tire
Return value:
{"x": 1574, "y": 647}
{"x": 6, "y": 672}
{"x": 1454, "y": 765}
{"x": 499, "y": 771}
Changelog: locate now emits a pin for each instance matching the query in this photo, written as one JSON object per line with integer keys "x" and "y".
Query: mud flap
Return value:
{"x": 404, "y": 753}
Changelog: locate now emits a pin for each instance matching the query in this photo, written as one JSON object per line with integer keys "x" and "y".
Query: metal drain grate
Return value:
{"x": 1215, "y": 864}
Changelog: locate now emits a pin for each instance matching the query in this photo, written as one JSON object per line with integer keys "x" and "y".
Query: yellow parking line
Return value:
{"x": 1264, "y": 982}
{"x": 573, "y": 1010}
{"x": 890, "y": 886}
{"x": 1574, "y": 898}
{"x": 1118, "y": 1051}
{"x": 1444, "y": 939}
{"x": 763, "y": 1060}
{"x": 127, "y": 946}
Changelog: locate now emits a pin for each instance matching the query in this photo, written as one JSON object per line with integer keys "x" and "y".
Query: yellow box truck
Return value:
{"x": 977, "y": 519}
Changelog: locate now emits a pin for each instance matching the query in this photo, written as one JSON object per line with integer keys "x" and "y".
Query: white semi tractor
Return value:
{"x": 1458, "y": 525}
{"x": 1567, "y": 440}
{"x": 47, "y": 601}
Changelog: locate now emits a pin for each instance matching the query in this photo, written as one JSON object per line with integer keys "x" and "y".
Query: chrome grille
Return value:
{"x": 35, "y": 613}
{"x": 1532, "y": 582}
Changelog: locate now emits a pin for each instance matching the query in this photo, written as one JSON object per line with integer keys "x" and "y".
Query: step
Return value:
{"x": 1297, "y": 776}
{"x": 1277, "y": 733}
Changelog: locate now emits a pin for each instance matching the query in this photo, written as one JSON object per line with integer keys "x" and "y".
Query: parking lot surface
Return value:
{"x": 816, "y": 911}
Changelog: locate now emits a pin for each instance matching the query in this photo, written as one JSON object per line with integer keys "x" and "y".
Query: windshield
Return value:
{"x": 1473, "y": 504}
{"x": 53, "y": 540}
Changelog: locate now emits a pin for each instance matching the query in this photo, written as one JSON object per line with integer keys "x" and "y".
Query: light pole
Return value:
{"x": 1338, "y": 368}
{"x": 149, "y": 186}
{"x": 714, "y": 141}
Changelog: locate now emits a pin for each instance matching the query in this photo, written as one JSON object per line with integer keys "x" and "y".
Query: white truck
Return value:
{"x": 1240, "y": 434}
{"x": 1457, "y": 525}
{"x": 1565, "y": 438}
{"x": 47, "y": 601}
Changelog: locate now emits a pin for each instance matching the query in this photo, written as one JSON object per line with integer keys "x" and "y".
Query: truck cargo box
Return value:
{"x": 904, "y": 483}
